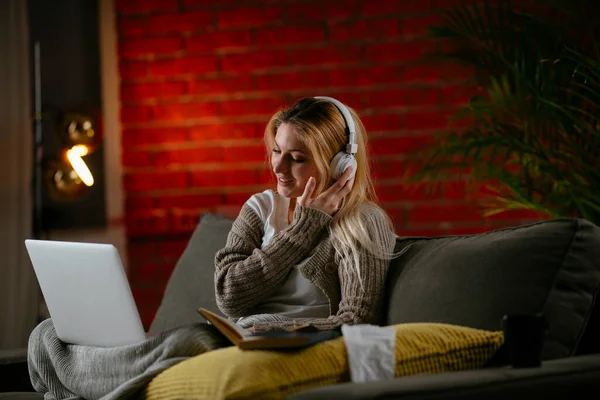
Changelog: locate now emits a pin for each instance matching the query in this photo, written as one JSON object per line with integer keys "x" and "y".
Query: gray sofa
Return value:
{"x": 550, "y": 267}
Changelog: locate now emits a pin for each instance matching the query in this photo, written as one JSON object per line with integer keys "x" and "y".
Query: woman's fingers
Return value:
{"x": 347, "y": 187}
{"x": 347, "y": 177}
{"x": 329, "y": 200}
{"x": 343, "y": 192}
{"x": 339, "y": 184}
{"x": 304, "y": 200}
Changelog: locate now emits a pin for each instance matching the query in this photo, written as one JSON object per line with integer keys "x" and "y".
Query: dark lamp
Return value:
{"x": 62, "y": 180}
{"x": 80, "y": 128}
{"x": 79, "y": 132}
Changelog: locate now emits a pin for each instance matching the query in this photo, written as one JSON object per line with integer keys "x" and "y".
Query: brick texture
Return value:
{"x": 200, "y": 78}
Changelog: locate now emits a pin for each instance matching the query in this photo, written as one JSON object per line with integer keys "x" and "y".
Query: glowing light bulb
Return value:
{"x": 81, "y": 169}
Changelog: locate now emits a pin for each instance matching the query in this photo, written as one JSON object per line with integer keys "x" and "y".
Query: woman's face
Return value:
{"x": 291, "y": 162}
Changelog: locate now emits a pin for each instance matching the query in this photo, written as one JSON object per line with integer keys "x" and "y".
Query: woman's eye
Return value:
{"x": 296, "y": 160}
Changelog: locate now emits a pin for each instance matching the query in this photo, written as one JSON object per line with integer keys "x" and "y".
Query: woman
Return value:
{"x": 315, "y": 251}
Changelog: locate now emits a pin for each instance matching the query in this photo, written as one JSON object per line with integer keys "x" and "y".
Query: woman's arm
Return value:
{"x": 359, "y": 304}
{"x": 245, "y": 274}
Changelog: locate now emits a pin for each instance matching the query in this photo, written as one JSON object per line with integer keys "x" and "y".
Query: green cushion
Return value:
{"x": 551, "y": 267}
{"x": 191, "y": 284}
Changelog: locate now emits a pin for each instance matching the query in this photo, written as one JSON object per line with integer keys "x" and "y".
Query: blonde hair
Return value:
{"x": 321, "y": 128}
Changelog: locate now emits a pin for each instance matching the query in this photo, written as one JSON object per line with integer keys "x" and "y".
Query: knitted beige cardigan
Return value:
{"x": 247, "y": 275}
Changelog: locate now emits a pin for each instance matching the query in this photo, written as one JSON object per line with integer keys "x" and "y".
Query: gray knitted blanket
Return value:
{"x": 65, "y": 371}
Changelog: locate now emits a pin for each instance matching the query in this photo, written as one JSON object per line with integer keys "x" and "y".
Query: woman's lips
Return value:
{"x": 285, "y": 182}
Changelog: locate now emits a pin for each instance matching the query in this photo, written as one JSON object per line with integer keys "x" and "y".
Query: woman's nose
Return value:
{"x": 279, "y": 165}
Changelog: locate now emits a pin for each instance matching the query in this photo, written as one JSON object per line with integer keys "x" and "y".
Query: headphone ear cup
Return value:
{"x": 340, "y": 162}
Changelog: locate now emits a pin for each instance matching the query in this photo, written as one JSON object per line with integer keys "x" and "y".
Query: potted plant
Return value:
{"x": 531, "y": 136}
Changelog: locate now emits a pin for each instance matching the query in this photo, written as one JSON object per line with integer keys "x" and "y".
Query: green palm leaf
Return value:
{"x": 535, "y": 131}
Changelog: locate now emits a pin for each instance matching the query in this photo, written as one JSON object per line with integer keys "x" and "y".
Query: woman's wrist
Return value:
{"x": 312, "y": 216}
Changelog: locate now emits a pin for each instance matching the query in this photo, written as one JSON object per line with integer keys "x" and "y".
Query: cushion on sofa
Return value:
{"x": 191, "y": 284}
{"x": 551, "y": 267}
{"x": 231, "y": 373}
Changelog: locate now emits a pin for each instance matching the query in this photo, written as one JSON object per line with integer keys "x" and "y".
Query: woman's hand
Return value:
{"x": 329, "y": 201}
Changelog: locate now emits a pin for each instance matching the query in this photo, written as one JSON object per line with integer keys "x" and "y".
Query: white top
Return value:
{"x": 298, "y": 297}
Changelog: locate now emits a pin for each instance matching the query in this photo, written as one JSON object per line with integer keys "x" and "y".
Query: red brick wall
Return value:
{"x": 200, "y": 79}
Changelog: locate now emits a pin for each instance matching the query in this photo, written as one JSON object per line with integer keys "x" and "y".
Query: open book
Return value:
{"x": 245, "y": 340}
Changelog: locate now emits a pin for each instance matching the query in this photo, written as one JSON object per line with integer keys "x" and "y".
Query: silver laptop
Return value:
{"x": 86, "y": 292}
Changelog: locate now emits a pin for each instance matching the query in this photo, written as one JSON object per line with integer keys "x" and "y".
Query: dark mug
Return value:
{"x": 524, "y": 336}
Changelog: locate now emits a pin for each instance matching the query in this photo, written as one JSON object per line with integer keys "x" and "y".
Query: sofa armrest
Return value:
{"x": 14, "y": 373}
{"x": 564, "y": 378}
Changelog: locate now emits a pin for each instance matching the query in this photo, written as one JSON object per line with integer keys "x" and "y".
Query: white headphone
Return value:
{"x": 343, "y": 159}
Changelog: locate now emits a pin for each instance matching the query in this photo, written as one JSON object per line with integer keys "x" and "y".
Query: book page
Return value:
{"x": 217, "y": 319}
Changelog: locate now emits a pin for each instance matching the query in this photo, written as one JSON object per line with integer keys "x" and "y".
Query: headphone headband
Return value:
{"x": 351, "y": 146}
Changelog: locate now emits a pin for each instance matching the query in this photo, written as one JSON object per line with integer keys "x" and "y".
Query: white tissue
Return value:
{"x": 371, "y": 352}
